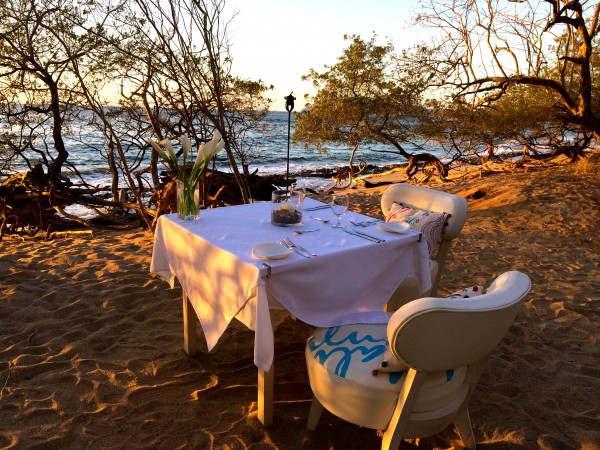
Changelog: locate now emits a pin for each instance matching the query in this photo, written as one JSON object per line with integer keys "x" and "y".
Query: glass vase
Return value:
{"x": 286, "y": 207}
{"x": 188, "y": 200}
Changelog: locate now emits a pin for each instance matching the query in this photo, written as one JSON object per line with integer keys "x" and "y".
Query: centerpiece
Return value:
{"x": 188, "y": 180}
{"x": 286, "y": 207}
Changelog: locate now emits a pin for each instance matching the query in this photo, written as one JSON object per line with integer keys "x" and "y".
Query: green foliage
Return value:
{"x": 369, "y": 95}
{"x": 522, "y": 113}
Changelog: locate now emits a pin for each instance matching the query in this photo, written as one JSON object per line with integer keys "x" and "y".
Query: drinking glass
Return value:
{"x": 339, "y": 206}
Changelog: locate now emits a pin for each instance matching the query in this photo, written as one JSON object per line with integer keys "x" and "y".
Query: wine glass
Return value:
{"x": 339, "y": 206}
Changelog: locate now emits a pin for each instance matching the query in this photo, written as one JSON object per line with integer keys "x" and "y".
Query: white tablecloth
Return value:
{"x": 212, "y": 259}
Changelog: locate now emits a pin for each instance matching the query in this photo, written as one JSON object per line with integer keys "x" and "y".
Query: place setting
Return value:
{"x": 399, "y": 227}
{"x": 317, "y": 208}
{"x": 270, "y": 251}
{"x": 339, "y": 206}
{"x": 280, "y": 250}
{"x": 297, "y": 248}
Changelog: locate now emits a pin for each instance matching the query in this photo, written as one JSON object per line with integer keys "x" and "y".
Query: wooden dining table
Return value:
{"x": 348, "y": 280}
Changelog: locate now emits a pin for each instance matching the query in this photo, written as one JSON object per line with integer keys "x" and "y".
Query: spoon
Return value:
{"x": 304, "y": 231}
{"x": 319, "y": 219}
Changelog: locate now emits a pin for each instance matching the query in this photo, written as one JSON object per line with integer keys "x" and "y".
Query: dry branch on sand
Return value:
{"x": 29, "y": 203}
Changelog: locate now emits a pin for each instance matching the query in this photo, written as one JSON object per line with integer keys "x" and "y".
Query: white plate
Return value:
{"x": 398, "y": 226}
{"x": 270, "y": 251}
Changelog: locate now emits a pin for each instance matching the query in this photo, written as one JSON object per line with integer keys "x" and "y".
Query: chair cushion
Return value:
{"x": 429, "y": 223}
{"x": 340, "y": 362}
{"x": 468, "y": 292}
{"x": 400, "y": 211}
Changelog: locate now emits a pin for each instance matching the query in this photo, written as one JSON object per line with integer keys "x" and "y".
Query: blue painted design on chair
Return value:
{"x": 337, "y": 346}
{"x": 394, "y": 377}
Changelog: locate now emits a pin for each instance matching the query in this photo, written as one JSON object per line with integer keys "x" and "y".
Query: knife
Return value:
{"x": 315, "y": 208}
{"x": 302, "y": 249}
{"x": 362, "y": 233}
{"x": 364, "y": 236}
{"x": 366, "y": 223}
{"x": 295, "y": 249}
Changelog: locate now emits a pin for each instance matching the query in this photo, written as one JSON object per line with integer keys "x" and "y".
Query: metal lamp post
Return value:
{"x": 289, "y": 106}
{"x": 286, "y": 205}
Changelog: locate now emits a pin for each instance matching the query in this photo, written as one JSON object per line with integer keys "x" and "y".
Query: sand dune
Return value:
{"x": 91, "y": 348}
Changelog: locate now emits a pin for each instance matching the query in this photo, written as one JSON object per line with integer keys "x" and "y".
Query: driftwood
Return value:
{"x": 25, "y": 203}
{"x": 371, "y": 184}
{"x": 33, "y": 201}
{"x": 69, "y": 233}
{"x": 425, "y": 162}
{"x": 30, "y": 201}
{"x": 224, "y": 188}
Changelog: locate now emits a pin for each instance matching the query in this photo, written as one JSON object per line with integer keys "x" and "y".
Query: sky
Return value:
{"x": 279, "y": 41}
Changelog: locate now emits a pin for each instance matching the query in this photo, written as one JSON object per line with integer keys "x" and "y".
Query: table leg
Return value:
{"x": 265, "y": 396}
{"x": 190, "y": 340}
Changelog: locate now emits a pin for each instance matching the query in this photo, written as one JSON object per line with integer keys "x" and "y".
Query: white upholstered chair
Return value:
{"x": 432, "y": 200}
{"x": 443, "y": 344}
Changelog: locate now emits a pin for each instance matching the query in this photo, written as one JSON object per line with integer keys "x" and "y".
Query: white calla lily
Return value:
{"x": 220, "y": 146}
{"x": 186, "y": 145}
{"x": 214, "y": 146}
{"x": 169, "y": 147}
{"x": 156, "y": 147}
{"x": 189, "y": 178}
{"x": 200, "y": 155}
{"x": 208, "y": 150}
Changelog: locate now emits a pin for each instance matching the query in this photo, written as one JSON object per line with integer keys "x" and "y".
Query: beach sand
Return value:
{"x": 91, "y": 344}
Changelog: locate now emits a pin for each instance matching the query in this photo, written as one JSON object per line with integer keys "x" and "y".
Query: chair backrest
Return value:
{"x": 432, "y": 334}
{"x": 429, "y": 199}
{"x": 432, "y": 200}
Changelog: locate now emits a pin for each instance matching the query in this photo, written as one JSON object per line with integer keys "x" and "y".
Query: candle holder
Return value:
{"x": 286, "y": 207}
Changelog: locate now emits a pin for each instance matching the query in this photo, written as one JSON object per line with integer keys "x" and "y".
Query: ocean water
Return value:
{"x": 269, "y": 147}
{"x": 272, "y": 146}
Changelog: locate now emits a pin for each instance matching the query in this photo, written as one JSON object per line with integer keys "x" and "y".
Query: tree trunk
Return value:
{"x": 55, "y": 167}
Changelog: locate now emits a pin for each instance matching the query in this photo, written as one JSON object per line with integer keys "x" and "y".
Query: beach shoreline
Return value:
{"x": 91, "y": 344}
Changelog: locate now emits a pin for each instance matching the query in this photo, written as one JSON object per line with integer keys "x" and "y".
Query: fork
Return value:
{"x": 295, "y": 249}
{"x": 293, "y": 246}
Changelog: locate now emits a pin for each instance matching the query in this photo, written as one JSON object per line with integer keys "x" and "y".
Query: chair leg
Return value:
{"x": 392, "y": 437}
{"x": 462, "y": 422}
{"x": 314, "y": 415}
